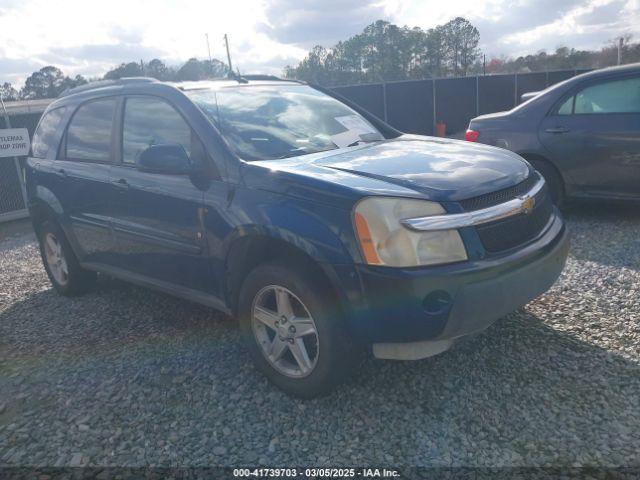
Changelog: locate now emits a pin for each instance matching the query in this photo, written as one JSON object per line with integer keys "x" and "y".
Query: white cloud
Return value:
{"x": 90, "y": 37}
{"x": 519, "y": 27}
{"x": 87, "y": 37}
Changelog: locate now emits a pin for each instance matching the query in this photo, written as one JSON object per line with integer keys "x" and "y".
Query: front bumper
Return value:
{"x": 443, "y": 303}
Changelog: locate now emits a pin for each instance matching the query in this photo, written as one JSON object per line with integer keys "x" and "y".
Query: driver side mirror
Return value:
{"x": 168, "y": 159}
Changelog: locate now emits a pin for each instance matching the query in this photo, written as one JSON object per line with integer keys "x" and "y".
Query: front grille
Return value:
{"x": 499, "y": 196}
{"x": 514, "y": 231}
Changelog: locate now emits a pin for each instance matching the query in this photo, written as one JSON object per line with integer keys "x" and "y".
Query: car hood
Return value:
{"x": 424, "y": 167}
{"x": 445, "y": 169}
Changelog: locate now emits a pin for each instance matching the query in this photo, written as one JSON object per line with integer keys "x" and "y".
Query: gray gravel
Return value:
{"x": 125, "y": 376}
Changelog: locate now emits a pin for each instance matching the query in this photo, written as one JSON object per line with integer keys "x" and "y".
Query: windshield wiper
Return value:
{"x": 358, "y": 142}
{"x": 301, "y": 151}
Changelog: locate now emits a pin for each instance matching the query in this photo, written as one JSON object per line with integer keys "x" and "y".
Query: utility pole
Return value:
{"x": 226, "y": 43}
{"x": 620, "y": 44}
{"x": 208, "y": 47}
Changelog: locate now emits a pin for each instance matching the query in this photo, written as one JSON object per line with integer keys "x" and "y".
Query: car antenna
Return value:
{"x": 236, "y": 76}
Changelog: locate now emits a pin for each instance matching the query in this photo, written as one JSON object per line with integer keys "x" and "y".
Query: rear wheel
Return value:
{"x": 293, "y": 331}
{"x": 552, "y": 178}
{"x": 62, "y": 267}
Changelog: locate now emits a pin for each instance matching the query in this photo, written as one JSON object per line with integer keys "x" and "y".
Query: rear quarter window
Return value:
{"x": 45, "y": 138}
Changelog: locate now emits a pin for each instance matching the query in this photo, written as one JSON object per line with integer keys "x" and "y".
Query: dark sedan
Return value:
{"x": 582, "y": 134}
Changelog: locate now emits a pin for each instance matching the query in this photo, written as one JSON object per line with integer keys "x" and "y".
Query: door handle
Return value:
{"x": 557, "y": 130}
{"x": 61, "y": 172}
{"x": 121, "y": 183}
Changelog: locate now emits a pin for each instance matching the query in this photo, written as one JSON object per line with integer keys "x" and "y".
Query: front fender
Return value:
{"x": 323, "y": 232}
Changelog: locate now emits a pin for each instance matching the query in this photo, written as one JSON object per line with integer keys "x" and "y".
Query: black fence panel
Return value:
{"x": 556, "y": 77}
{"x": 456, "y": 102}
{"x": 369, "y": 97}
{"x": 530, "y": 82}
{"x": 496, "y": 93}
{"x": 410, "y": 106}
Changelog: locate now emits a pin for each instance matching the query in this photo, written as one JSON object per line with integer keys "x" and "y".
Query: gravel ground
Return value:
{"x": 125, "y": 376}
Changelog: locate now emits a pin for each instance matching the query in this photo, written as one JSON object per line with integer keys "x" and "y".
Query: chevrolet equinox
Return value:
{"x": 322, "y": 228}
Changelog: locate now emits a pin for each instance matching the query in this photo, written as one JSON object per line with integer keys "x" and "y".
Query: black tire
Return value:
{"x": 77, "y": 280}
{"x": 335, "y": 353}
{"x": 553, "y": 179}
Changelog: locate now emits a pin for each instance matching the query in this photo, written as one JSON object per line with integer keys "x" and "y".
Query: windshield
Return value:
{"x": 269, "y": 122}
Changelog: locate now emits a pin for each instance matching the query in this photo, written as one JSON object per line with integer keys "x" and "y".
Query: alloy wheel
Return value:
{"x": 285, "y": 331}
{"x": 55, "y": 259}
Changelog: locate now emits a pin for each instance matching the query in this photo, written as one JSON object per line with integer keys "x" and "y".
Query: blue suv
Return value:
{"x": 323, "y": 229}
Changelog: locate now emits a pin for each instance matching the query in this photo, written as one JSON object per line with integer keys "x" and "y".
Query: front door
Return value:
{"x": 157, "y": 218}
{"x": 594, "y": 136}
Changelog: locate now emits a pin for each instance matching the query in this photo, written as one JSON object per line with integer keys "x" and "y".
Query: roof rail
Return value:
{"x": 106, "y": 83}
{"x": 261, "y": 76}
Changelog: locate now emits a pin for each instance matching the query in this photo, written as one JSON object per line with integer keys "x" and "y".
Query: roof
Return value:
{"x": 218, "y": 84}
{"x": 22, "y": 107}
{"x": 185, "y": 86}
{"x": 602, "y": 72}
{"x": 107, "y": 83}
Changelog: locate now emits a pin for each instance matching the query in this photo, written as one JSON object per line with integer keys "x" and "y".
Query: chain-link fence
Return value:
{"x": 12, "y": 203}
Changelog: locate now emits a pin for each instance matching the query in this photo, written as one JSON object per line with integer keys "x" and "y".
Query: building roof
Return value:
{"x": 22, "y": 107}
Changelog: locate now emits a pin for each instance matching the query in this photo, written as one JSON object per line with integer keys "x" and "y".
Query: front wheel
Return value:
{"x": 553, "y": 180}
{"x": 293, "y": 330}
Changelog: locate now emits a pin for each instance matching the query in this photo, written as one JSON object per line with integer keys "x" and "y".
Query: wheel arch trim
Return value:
{"x": 289, "y": 247}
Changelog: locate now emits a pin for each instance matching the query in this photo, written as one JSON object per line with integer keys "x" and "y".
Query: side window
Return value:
{"x": 617, "y": 96}
{"x": 45, "y": 135}
{"x": 150, "y": 121}
{"x": 567, "y": 107}
{"x": 89, "y": 133}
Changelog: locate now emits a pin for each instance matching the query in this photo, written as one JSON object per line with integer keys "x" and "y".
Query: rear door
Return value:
{"x": 83, "y": 178}
{"x": 157, "y": 218}
{"x": 594, "y": 136}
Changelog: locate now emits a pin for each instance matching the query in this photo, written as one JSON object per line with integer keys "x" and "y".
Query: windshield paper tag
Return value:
{"x": 345, "y": 139}
{"x": 355, "y": 124}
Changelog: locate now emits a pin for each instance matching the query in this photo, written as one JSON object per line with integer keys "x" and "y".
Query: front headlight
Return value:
{"x": 385, "y": 241}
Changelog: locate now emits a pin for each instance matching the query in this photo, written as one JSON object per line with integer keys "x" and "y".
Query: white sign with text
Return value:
{"x": 14, "y": 142}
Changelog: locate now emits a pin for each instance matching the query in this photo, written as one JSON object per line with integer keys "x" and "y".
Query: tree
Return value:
{"x": 8, "y": 93}
{"x": 383, "y": 52}
{"x": 131, "y": 69}
{"x": 157, "y": 69}
{"x": 495, "y": 65}
{"x": 461, "y": 40}
{"x": 435, "y": 52}
{"x": 74, "y": 82}
{"x": 48, "y": 82}
{"x": 196, "y": 69}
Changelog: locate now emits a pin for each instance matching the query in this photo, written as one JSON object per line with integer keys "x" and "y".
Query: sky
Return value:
{"x": 90, "y": 37}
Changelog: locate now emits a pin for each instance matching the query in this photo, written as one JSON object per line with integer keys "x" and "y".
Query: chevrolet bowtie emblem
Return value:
{"x": 527, "y": 204}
